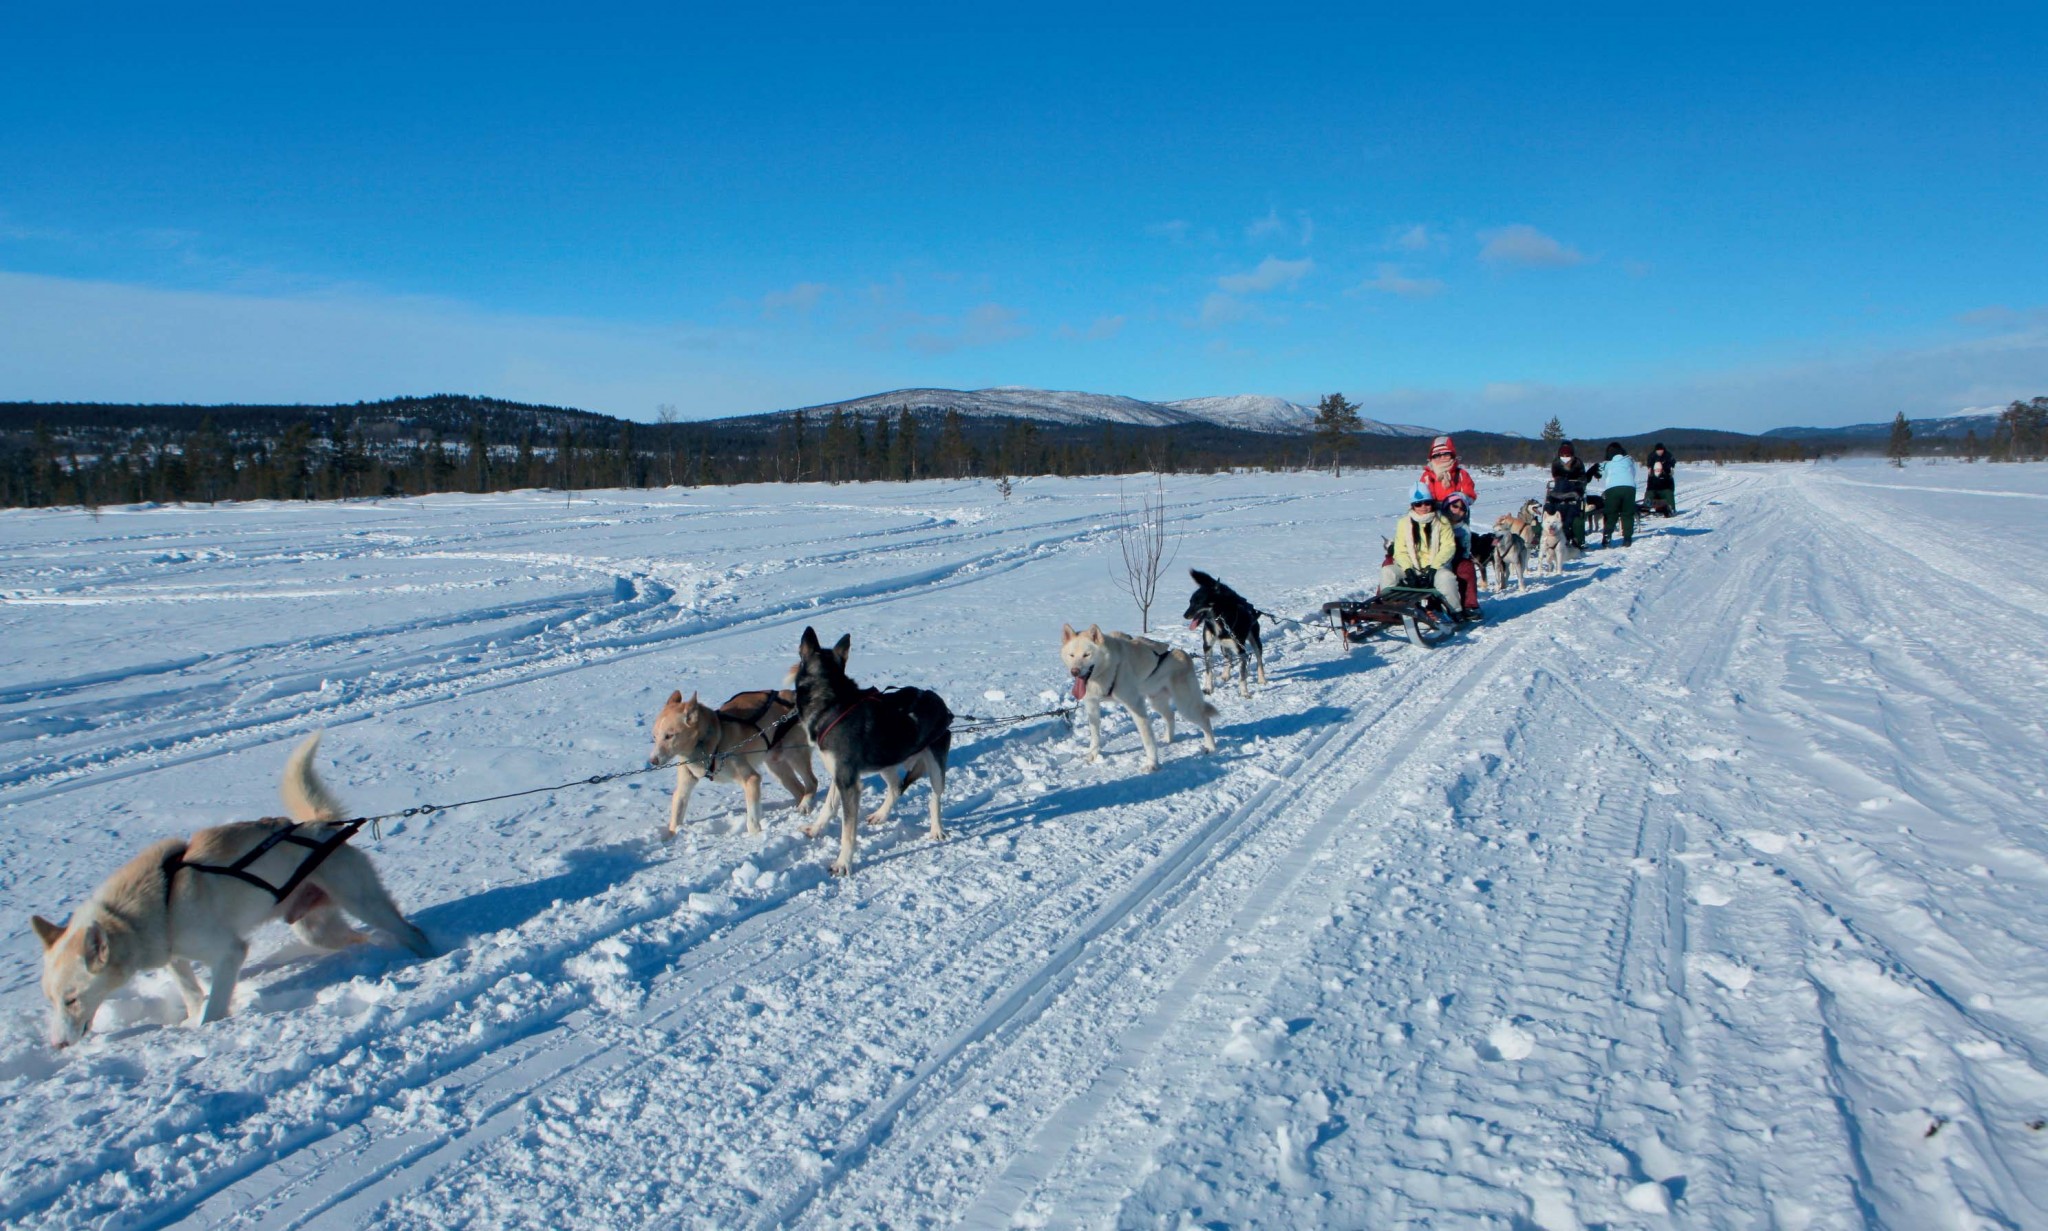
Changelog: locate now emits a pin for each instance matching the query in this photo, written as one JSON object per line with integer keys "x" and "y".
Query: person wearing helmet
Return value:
{"x": 1444, "y": 475}
{"x": 1567, "y": 494}
{"x": 1425, "y": 544}
{"x": 1458, "y": 511}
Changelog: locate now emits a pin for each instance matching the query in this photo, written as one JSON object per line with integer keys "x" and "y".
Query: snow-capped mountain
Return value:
{"x": 1259, "y": 412}
{"x": 1246, "y": 412}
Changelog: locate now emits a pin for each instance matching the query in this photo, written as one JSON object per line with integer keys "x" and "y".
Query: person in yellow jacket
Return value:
{"x": 1424, "y": 545}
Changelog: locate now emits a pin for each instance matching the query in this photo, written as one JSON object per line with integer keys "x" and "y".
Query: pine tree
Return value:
{"x": 1553, "y": 432}
{"x": 1336, "y": 418}
{"x": 903, "y": 452}
{"x": 1900, "y": 446}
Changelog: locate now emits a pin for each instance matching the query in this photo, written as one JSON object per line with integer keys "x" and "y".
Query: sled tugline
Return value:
{"x": 1417, "y": 614}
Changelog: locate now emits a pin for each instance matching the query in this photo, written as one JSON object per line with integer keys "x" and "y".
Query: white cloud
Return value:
{"x": 1522, "y": 244}
{"x": 986, "y": 324}
{"x": 1270, "y": 274}
{"x": 1266, "y": 228}
{"x": 1301, "y": 229}
{"x": 1220, "y": 309}
{"x": 1418, "y": 238}
{"x": 1391, "y": 280}
{"x": 1102, "y": 328}
{"x": 800, "y": 299}
{"x": 1175, "y": 229}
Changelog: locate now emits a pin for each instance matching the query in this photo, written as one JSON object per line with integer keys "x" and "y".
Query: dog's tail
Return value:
{"x": 306, "y": 798}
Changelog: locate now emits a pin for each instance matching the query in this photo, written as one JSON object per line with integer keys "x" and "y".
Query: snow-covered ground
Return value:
{"x": 1701, "y": 887}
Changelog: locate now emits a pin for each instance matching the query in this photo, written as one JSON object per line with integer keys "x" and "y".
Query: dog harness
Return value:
{"x": 320, "y": 849}
{"x": 769, "y": 735}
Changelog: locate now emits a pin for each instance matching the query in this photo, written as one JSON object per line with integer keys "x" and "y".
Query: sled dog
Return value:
{"x": 1510, "y": 555}
{"x": 1131, "y": 671}
{"x": 1228, "y": 623}
{"x": 169, "y": 906}
{"x": 1484, "y": 558}
{"x": 898, "y": 734}
{"x": 734, "y": 743}
{"x": 1557, "y": 546}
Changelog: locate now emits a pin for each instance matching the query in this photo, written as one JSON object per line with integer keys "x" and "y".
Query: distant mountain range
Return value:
{"x": 1953, "y": 427}
{"x": 1248, "y": 412}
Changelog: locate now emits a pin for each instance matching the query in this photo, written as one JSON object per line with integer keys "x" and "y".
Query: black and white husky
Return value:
{"x": 898, "y": 734}
{"x": 1228, "y": 623}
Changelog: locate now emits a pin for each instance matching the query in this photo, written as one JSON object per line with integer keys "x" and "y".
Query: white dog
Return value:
{"x": 175, "y": 904}
{"x": 1557, "y": 547}
{"x": 1131, "y": 671}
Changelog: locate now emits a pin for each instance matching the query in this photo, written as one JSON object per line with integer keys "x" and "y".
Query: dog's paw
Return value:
{"x": 842, "y": 867}
{"x": 875, "y": 818}
{"x": 938, "y": 835}
{"x": 811, "y": 830}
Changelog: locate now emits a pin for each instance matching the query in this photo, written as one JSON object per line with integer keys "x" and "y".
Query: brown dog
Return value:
{"x": 733, "y": 743}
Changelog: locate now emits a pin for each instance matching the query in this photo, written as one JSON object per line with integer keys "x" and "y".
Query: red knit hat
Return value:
{"x": 1442, "y": 447}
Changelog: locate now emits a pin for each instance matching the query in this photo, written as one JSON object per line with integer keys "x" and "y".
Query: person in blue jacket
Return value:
{"x": 1618, "y": 472}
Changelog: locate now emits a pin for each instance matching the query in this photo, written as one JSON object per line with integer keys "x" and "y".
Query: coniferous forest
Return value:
{"x": 102, "y": 454}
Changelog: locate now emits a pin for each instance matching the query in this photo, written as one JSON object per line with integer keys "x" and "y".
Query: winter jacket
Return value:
{"x": 1619, "y": 471}
{"x": 1460, "y": 480}
{"x": 1650, "y": 474}
{"x": 1425, "y": 544}
{"x": 1562, "y": 475}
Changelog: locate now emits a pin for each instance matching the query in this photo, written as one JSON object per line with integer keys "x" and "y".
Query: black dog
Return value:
{"x": 1229, "y": 623}
{"x": 899, "y": 734}
{"x": 1483, "y": 543}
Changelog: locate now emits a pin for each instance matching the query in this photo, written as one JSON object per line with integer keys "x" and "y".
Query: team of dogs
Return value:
{"x": 176, "y": 903}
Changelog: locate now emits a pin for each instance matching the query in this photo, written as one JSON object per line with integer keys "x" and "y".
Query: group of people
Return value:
{"x": 1571, "y": 494}
{"x": 1432, "y": 545}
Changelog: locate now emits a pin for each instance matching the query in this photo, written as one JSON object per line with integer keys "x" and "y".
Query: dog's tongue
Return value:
{"x": 1080, "y": 688}
{"x": 1194, "y": 623}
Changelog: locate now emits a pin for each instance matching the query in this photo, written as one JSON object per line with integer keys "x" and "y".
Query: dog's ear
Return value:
{"x": 1066, "y": 633}
{"x": 96, "y": 949}
{"x": 807, "y": 645}
{"x": 46, "y": 931}
{"x": 676, "y": 697}
{"x": 1095, "y": 633}
{"x": 843, "y": 648}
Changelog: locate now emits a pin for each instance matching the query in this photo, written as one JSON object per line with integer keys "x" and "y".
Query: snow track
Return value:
{"x": 1695, "y": 888}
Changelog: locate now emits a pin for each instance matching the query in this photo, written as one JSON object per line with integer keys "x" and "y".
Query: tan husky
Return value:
{"x": 1131, "y": 671}
{"x": 173, "y": 905}
{"x": 733, "y": 743}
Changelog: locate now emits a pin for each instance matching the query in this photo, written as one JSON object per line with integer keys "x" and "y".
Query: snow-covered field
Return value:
{"x": 1706, "y": 886}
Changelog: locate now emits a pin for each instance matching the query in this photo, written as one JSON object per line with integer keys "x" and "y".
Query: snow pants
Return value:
{"x": 1447, "y": 584}
{"x": 1620, "y": 503}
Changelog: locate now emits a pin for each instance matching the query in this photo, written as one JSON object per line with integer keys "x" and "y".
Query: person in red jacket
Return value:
{"x": 1444, "y": 475}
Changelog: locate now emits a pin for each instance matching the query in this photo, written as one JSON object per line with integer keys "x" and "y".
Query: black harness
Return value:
{"x": 319, "y": 848}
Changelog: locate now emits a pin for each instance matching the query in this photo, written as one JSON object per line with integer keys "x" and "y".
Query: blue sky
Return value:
{"x": 1740, "y": 217}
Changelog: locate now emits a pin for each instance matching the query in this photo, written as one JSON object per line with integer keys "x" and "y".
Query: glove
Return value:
{"x": 1419, "y": 578}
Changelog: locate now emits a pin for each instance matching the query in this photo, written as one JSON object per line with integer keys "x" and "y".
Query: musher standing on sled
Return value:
{"x": 1567, "y": 494}
{"x": 1425, "y": 543}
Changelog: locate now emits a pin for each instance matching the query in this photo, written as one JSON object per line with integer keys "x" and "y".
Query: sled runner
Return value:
{"x": 1418, "y": 615}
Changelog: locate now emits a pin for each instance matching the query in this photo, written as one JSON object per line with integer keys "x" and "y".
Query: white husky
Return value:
{"x": 1557, "y": 546}
{"x": 173, "y": 905}
{"x": 1131, "y": 671}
